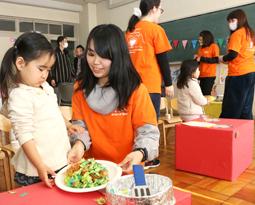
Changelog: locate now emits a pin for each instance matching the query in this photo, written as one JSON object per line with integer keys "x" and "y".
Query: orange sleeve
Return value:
{"x": 216, "y": 50}
{"x": 235, "y": 42}
{"x": 143, "y": 111}
{"x": 160, "y": 41}
{"x": 76, "y": 105}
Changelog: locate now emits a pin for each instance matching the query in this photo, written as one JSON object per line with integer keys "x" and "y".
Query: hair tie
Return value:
{"x": 137, "y": 12}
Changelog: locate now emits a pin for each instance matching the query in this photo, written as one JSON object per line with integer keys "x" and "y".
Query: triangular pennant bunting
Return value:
{"x": 184, "y": 43}
{"x": 194, "y": 43}
{"x": 220, "y": 41}
{"x": 175, "y": 42}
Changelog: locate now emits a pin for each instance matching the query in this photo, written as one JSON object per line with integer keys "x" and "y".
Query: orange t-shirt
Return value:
{"x": 112, "y": 135}
{"x": 208, "y": 69}
{"x": 147, "y": 40}
{"x": 244, "y": 62}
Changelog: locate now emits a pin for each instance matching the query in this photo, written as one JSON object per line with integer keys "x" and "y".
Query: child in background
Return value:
{"x": 189, "y": 95}
{"x": 33, "y": 110}
{"x": 112, "y": 104}
{"x": 208, "y": 56}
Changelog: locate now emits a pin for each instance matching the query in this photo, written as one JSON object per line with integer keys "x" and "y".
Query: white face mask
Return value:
{"x": 65, "y": 45}
{"x": 233, "y": 25}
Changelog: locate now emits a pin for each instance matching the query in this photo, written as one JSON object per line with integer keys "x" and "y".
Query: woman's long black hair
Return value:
{"x": 188, "y": 67}
{"x": 109, "y": 43}
{"x": 30, "y": 46}
{"x": 208, "y": 38}
{"x": 145, "y": 7}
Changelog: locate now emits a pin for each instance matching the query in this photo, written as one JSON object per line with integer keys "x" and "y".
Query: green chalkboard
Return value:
{"x": 189, "y": 29}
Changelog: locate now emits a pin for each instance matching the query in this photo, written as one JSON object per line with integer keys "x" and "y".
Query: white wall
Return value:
{"x": 17, "y": 10}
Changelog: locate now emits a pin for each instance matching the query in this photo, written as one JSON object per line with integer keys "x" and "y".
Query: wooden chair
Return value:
{"x": 6, "y": 153}
{"x": 167, "y": 120}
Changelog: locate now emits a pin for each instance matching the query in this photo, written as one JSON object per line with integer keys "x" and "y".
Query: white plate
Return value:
{"x": 114, "y": 172}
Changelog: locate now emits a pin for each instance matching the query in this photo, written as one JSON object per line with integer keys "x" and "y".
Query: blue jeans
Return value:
{"x": 238, "y": 97}
{"x": 155, "y": 98}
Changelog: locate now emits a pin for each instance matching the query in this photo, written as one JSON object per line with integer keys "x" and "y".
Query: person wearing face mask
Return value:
{"x": 62, "y": 70}
{"x": 208, "y": 56}
{"x": 79, "y": 55}
{"x": 239, "y": 84}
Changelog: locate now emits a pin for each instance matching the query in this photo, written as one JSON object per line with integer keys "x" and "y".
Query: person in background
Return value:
{"x": 148, "y": 47}
{"x": 62, "y": 70}
{"x": 31, "y": 105}
{"x": 79, "y": 55}
{"x": 208, "y": 57}
{"x": 112, "y": 104}
{"x": 189, "y": 95}
{"x": 239, "y": 84}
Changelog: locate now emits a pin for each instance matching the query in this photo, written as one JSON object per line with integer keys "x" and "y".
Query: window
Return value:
{"x": 41, "y": 27}
{"x": 26, "y": 26}
{"x": 68, "y": 30}
{"x": 7, "y": 25}
{"x": 55, "y": 29}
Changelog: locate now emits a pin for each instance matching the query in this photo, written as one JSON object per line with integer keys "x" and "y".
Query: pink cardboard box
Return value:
{"x": 223, "y": 153}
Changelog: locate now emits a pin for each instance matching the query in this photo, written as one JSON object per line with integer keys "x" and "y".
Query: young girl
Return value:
{"x": 148, "y": 46}
{"x": 208, "y": 56}
{"x": 33, "y": 110}
{"x": 189, "y": 95}
{"x": 112, "y": 104}
{"x": 239, "y": 84}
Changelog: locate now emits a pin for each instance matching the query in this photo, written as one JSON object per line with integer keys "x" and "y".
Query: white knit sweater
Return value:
{"x": 190, "y": 101}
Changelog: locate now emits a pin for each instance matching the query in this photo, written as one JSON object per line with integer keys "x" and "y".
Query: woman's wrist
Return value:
{"x": 144, "y": 153}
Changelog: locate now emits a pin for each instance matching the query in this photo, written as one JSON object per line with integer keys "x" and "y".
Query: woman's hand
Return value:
{"x": 43, "y": 172}
{"x": 75, "y": 129}
{"x": 131, "y": 159}
{"x": 169, "y": 90}
{"x": 76, "y": 153}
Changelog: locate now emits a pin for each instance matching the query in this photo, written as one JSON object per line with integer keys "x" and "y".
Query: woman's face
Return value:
{"x": 200, "y": 40}
{"x": 157, "y": 13}
{"x": 196, "y": 73}
{"x": 99, "y": 66}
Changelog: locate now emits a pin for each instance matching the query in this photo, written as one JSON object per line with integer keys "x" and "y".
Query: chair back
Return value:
{"x": 174, "y": 105}
{"x": 5, "y": 124}
{"x": 164, "y": 105}
{"x": 65, "y": 93}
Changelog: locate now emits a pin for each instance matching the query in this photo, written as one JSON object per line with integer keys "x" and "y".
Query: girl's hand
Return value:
{"x": 76, "y": 153}
{"x": 75, "y": 129}
{"x": 131, "y": 159}
{"x": 43, "y": 174}
{"x": 169, "y": 90}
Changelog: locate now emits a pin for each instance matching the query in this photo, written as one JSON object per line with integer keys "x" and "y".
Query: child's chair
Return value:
{"x": 167, "y": 120}
{"x": 6, "y": 153}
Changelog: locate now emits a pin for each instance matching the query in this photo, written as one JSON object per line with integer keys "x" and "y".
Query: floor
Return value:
{"x": 207, "y": 190}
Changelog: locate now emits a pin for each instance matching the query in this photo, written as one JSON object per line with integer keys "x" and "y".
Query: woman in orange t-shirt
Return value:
{"x": 239, "y": 84}
{"x": 148, "y": 47}
{"x": 208, "y": 56}
{"x": 112, "y": 104}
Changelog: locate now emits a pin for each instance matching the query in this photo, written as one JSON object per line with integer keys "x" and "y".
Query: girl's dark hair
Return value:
{"x": 109, "y": 42}
{"x": 240, "y": 15}
{"x": 145, "y": 7}
{"x": 29, "y": 46}
{"x": 208, "y": 38}
{"x": 188, "y": 67}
